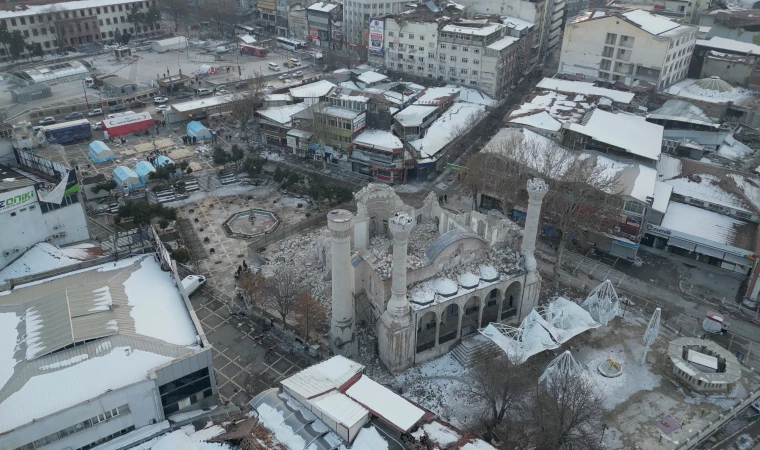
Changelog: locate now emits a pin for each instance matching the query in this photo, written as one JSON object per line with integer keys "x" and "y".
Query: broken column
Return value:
{"x": 537, "y": 189}
{"x": 342, "y": 333}
{"x": 395, "y": 327}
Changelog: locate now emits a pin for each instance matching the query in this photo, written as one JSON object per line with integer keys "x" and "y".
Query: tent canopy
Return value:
{"x": 126, "y": 177}
{"x": 143, "y": 169}
{"x": 197, "y": 129}
{"x": 162, "y": 161}
{"x": 99, "y": 152}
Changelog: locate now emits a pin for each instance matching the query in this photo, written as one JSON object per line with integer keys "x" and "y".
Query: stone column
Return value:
{"x": 396, "y": 338}
{"x": 401, "y": 226}
{"x": 342, "y": 337}
{"x": 537, "y": 189}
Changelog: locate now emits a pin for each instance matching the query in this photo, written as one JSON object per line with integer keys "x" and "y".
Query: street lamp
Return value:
{"x": 84, "y": 88}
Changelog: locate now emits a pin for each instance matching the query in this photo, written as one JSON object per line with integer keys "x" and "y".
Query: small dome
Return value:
{"x": 469, "y": 280}
{"x": 714, "y": 84}
{"x": 446, "y": 287}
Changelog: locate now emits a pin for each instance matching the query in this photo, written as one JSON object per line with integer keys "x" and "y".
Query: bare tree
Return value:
{"x": 53, "y": 14}
{"x": 566, "y": 413}
{"x": 221, "y": 12}
{"x": 247, "y": 100}
{"x": 282, "y": 290}
{"x": 251, "y": 288}
{"x": 583, "y": 193}
{"x": 310, "y": 315}
{"x": 176, "y": 8}
{"x": 498, "y": 384}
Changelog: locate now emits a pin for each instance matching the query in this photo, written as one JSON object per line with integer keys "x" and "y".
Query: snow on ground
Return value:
{"x": 410, "y": 187}
{"x": 153, "y": 297}
{"x": 8, "y": 337}
{"x": 43, "y": 257}
{"x": 274, "y": 421}
{"x": 293, "y": 202}
{"x": 438, "y": 433}
{"x": 271, "y": 156}
{"x": 207, "y": 433}
{"x": 368, "y": 439}
{"x": 63, "y": 389}
{"x": 224, "y": 191}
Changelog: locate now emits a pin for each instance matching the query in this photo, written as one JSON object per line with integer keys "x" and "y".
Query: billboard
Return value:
{"x": 14, "y": 199}
{"x": 359, "y": 122}
{"x": 376, "y": 36}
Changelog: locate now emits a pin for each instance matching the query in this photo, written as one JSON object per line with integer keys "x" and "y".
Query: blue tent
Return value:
{"x": 162, "y": 161}
{"x": 143, "y": 169}
{"x": 197, "y": 129}
{"x": 126, "y": 177}
{"x": 99, "y": 152}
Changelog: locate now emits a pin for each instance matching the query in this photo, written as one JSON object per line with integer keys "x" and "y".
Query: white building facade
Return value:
{"x": 634, "y": 48}
{"x": 356, "y": 17}
{"x": 76, "y": 23}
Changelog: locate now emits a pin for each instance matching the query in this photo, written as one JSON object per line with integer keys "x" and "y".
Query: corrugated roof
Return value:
{"x": 323, "y": 377}
{"x": 440, "y": 244}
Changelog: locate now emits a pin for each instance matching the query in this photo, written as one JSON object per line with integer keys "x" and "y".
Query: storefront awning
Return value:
{"x": 709, "y": 251}
{"x": 686, "y": 245}
{"x": 736, "y": 259}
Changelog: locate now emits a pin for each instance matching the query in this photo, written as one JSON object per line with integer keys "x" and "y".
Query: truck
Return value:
{"x": 61, "y": 133}
{"x": 714, "y": 323}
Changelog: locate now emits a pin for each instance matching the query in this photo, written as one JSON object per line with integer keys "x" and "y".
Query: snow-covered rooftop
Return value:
{"x": 383, "y": 402}
{"x": 581, "y": 87}
{"x": 729, "y": 45}
{"x": 312, "y": 90}
{"x": 668, "y": 167}
{"x": 662, "y": 192}
{"x": 154, "y": 328}
{"x": 474, "y": 96}
{"x": 446, "y": 128}
{"x": 689, "y": 89}
{"x": 516, "y": 23}
{"x": 371, "y": 77}
{"x": 378, "y": 139}
{"x": 625, "y": 131}
{"x": 322, "y": 6}
{"x": 706, "y": 225}
{"x": 205, "y": 102}
{"x": 70, "y": 6}
{"x": 682, "y": 111}
{"x": 437, "y": 95}
{"x": 341, "y": 408}
{"x": 414, "y": 115}
{"x": 475, "y": 31}
{"x": 707, "y": 188}
{"x": 651, "y": 23}
{"x": 503, "y": 43}
{"x": 43, "y": 257}
{"x": 549, "y": 110}
{"x": 323, "y": 377}
{"x": 282, "y": 114}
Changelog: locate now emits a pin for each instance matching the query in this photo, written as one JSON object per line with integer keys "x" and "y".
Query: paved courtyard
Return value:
{"x": 242, "y": 366}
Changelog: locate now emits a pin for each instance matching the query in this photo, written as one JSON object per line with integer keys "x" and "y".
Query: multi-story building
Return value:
{"x": 267, "y": 10}
{"x": 321, "y": 17}
{"x": 634, "y": 48}
{"x": 282, "y": 7}
{"x": 75, "y": 23}
{"x": 483, "y": 52}
{"x": 298, "y": 26}
{"x": 356, "y": 19}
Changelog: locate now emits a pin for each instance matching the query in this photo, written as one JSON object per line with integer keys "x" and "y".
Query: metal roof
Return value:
{"x": 732, "y": 372}
{"x": 437, "y": 246}
{"x": 10, "y": 179}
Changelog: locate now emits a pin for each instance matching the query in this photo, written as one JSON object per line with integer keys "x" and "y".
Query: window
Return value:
{"x": 411, "y": 36}
{"x": 465, "y": 49}
{"x": 611, "y": 38}
{"x": 463, "y": 71}
{"x": 420, "y": 68}
{"x": 420, "y": 59}
{"x": 605, "y": 64}
{"x": 108, "y": 21}
{"x": 420, "y": 48}
{"x": 26, "y": 33}
{"x": 390, "y": 33}
{"x": 13, "y": 22}
{"x": 430, "y": 66}
{"x": 476, "y": 61}
{"x": 31, "y": 19}
{"x": 453, "y": 47}
{"x": 604, "y": 75}
{"x": 35, "y": 32}
{"x": 608, "y": 52}
{"x": 453, "y": 58}
{"x": 120, "y": 8}
{"x": 422, "y": 37}
{"x": 442, "y": 57}
{"x": 410, "y": 67}
{"x": 477, "y": 50}
{"x": 401, "y": 35}
{"x": 431, "y": 55}
{"x": 474, "y": 72}
{"x": 411, "y": 57}
{"x": 443, "y": 45}
{"x": 23, "y": 22}
{"x": 464, "y": 60}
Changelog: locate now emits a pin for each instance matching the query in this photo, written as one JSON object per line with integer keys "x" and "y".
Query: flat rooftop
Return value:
{"x": 70, "y": 338}
{"x": 10, "y": 179}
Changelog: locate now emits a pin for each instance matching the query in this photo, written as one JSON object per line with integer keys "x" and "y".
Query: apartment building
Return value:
{"x": 267, "y": 11}
{"x": 298, "y": 26}
{"x": 480, "y": 52}
{"x": 321, "y": 16}
{"x": 634, "y": 48}
{"x": 357, "y": 15}
{"x": 76, "y": 23}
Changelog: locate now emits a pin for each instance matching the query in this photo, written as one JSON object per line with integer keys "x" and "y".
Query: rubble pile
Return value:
{"x": 299, "y": 252}
{"x": 381, "y": 247}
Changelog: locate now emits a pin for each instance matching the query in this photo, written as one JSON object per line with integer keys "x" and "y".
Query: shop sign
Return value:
{"x": 659, "y": 231}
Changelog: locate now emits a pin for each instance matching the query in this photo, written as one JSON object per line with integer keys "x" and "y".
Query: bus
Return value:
{"x": 291, "y": 44}
{"x": 244, "y": 29}
{"x": 252, "y": 50}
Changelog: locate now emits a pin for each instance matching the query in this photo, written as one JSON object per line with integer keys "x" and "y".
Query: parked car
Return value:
{"x": 116, "y": 108}
{"x": 192, "y": 283}
{"x": 158, "y": 100}
{"x": 295, "y": 61}
{"x": 47, "y": 121}
{"x": 288, "y": 64}
{"x": 185, "y": 95}
{"x": 95, "y": 112}
{"x": 97, "y": 126}
{"x": 163, "y": 108}
{"x": 205, "y": 91}
{"x": 73, "y": 116}
{"x": 298, "y": 74}
{"x": 137, "y": 104}
{"x": 36, "y": 129}
{"x": 284, "y": 76}
{"x": 241, "y": 85}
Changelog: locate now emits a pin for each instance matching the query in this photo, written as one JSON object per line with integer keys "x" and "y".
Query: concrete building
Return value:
{"x": 100, "y": 352}
{"x": 356, "y": 20}
{"x": 635, "y": 48}
{"x": 735, "y": 62}
{"x": 739, "y": 24}
{"x": 267, "y": 15}
{"x": 438, "y": 282}
{"x": 490, "y": 55}
{"x": 298, "y": 25}
{"x": 75, "y": 23}
{"x": 27, "y": 219}
{"x": 321, "y": 17}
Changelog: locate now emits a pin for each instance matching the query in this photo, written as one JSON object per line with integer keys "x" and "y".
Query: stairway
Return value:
{"x": 475, "y": 349}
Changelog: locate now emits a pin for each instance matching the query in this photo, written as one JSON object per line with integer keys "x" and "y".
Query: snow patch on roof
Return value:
{"x": 382, "y": 401}
{"x": 649, "y": 22}
{"x": 43, "y": 257}
{"x": 628, "y": 132}
{"x": 580, "y": 87}
{"x": 689, "y": 89}
{"x": 282, "y": 114}
{"x": 446, "y": 127}
{"x": 371, "y": 77}
{"x": 379, "y": 139}
{"x": 668, "y": 167}
{"x": 750, "y": 187}
{"x": 706, "y": 187}
{"x": 729, "y": 45}
{"x": 694, "y": 221}
{"x": 662, "y": 193}
{"x": 438, "y": 433}
{"x": 325, "y": 376}
{"x": 8, "y": 339}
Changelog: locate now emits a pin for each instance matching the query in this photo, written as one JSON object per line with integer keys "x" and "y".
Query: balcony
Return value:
{"x": 557, "y": 16}
{"x": 553, "y": 43}
{"x": 555, "y": 33}
{"x": 559, "y": 5}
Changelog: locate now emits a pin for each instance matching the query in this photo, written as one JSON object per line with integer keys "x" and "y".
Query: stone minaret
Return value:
{"x": 342, "y": 333}
{"x": 395, "y": 327}
{"x": 537, "y": 189}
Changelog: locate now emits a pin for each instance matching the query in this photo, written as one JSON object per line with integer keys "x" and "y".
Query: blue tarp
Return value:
{"x": 143, "y": 169}
{"x": 126, "y": 177}
{"x": 99, "y": 152}
{"x": 197, "y": 129}
{"x": 162, "y": 161}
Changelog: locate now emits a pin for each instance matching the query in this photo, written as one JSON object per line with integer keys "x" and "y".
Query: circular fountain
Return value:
{"x": 610, "y": 368}
{"x": 251, "y": 223}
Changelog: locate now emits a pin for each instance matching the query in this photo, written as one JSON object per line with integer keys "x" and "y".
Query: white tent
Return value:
{"x": 164, "y": 45}
{"x": 602, "y": 303}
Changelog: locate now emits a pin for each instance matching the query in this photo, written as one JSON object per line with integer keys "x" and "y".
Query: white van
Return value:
{"x": 295, "y": 61}
{"x": 274, "y": 67}
{"x": 119, "y": 114}
{"x": 192, "y": 283}
{"x": 222, "y": 49}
